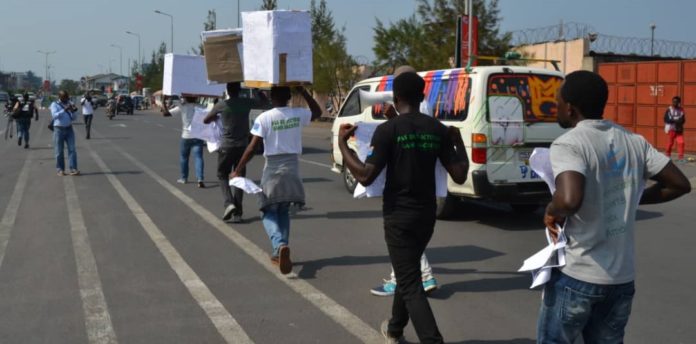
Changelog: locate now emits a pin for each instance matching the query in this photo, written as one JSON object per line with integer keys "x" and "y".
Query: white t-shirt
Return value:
{"x": 616, "y": 164}
{"x": 281, "y": 129}
{"x": 186, "y": 111}
{"x": 87, "y": 108}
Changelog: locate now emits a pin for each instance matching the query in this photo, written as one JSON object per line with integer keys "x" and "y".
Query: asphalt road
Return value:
{"x": 124, "y": 254}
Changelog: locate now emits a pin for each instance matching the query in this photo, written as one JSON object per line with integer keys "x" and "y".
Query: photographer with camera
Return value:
{"x": 63, "y": 113}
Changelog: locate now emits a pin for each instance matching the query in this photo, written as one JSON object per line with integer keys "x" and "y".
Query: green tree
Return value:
{"x": 335, "y": 71}
{"x": 209, "y": 24}
{"x": 428, "y": 39}
{"x": 269, "y": 5}
{"x": 71, "y": 86}
{"x": 153, "y": 72}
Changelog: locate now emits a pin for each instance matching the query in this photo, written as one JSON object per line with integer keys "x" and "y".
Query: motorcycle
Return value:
{"x": 111, "y": 109}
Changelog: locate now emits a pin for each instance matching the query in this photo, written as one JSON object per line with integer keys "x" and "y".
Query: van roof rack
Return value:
{"x": 509, "y": 56}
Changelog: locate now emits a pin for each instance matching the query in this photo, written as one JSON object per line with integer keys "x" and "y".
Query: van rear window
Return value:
{"x": 447, "y": 96}
{"x": 536, "y": 91}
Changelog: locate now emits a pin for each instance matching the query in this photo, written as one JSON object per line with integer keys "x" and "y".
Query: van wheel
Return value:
{"x": 349, "y": 180}
{"x": 446, "y": 207}
{"x": 524, "y": 208}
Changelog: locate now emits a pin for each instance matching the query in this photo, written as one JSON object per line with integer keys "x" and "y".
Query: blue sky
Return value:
{"x": 81, "y": 31}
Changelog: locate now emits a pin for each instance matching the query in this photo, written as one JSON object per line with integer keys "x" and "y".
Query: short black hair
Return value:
{"x": 587, "y": 91}
{"x": 281, "y": 93}
{"x": 677, "y": 98}
{"x": 409, "y": 86}
{"x": 233, "y": 88}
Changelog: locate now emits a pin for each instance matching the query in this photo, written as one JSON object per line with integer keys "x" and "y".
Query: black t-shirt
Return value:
{"x": 234, "y": 114}
{"x": 409, "y": 146}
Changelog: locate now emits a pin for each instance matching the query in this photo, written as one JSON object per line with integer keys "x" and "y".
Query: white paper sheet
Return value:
{"x": 246, "y": 184}
{"x": 186, "y": 74}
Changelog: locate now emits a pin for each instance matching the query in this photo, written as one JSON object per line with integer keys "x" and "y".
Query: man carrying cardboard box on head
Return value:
{"x": 234, "y": 115}
{"x": 281, "y": 131}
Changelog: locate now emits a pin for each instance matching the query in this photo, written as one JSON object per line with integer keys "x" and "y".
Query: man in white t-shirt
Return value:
{"x": 188, "y": 144}
{"x": 87, "y": 111}
{"x": 600, "y": 171}
{"x": 281, "y": 131}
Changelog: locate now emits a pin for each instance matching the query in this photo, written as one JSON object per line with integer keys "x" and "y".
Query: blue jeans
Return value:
{"x": 64, "y": 135}
{"x": 276, "y": 221}
{"x": 188, "y": 145}
{"x": 23, "y": 128}
{"x": 571, "y": 307}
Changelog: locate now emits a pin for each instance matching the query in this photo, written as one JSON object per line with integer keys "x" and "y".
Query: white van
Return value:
{"x": 503, "y": 112}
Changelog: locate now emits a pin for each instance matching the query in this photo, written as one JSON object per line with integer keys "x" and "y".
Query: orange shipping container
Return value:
{"x": 640, "y": 92}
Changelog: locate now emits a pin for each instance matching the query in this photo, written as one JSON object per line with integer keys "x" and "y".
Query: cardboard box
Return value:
{"x": 223, "y": 55}
{"x": 277, "y": 48}
{"x": 185, "y": 74}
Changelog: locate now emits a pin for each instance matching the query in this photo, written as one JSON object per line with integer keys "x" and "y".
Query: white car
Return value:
{"x": 503, "y": 113}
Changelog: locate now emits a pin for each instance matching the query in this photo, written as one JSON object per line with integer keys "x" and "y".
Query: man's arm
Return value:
{"x": 365, "y": 174}
{"x": 566, "y": 201}
{"x": 313, "y": 105}
{"x": 247, "y": 156}
{"x": 213, "y": 114}
{"x": 458, "y": 169}
{"x": 670, "y": 184}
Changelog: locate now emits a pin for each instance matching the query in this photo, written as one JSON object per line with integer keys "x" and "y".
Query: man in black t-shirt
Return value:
{"x": 234, "y": 115}
{"x": 408, "y": 146}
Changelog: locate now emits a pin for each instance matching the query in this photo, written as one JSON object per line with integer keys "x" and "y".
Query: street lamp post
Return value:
{"x": 172, "y": 21}
{"x": 46, "y": 63}
{"x": 140, "y": 62}
{"x": 652, "y": 39}
{"x": 120, "y": 57}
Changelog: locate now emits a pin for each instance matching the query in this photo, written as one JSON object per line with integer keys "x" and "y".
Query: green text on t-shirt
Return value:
{"x": 283, "y": 124}
{"x": 428, "y": 142}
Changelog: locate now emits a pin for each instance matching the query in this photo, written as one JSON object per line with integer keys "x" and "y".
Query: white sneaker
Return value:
{"x": 228, "y": 212}
{"x": 181, "y": 181}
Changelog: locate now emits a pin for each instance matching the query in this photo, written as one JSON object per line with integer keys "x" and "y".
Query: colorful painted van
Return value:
{"x": 503, "y": 113}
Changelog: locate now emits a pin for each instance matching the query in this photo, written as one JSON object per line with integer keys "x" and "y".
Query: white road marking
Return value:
{"x": 223, "y": 321}
{"x": 693, "y": 181}
{"x": 10, "y": 215}
{"x": 98, "y": 324}
{"x": 315, "y": 163}
{"x": 118, "y": 125}
{"x": 324, "y": 303}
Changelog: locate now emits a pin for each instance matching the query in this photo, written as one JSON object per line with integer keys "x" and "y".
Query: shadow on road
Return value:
{"x": 111, "y": 138}
{"x": 312, "y": 150}
{"x": 315, "y": 180}
{"x": 647, "y": 215}
{"x": 497, "y": 215}
{"x": 518, "y": 281}
{"x": 503, "y": 341}
{"x": 439, "y": 255}
{"x": 114, "y": 173}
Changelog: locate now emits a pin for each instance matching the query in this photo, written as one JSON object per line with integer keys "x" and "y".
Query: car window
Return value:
{"x": 352, "y": 105}
{"x": 537, "y": 92}
{"x": 447, "y": 97}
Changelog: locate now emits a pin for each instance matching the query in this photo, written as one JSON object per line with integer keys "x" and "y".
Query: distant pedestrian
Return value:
{"x": 188, "y": 144}
{"x": 600, "y": 171}
{"x": 408, "y": 146}
{"x": 674, "y": 126}
{"x": 23, "y": 111}
{"x": 87, "y": 111}
{"x": 281, "y": 131}
{"x": 63, "y": 114}
{"x": 234, "y": 116}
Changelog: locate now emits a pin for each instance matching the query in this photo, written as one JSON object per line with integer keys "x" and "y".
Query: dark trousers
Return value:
{"x": 88, "y": 124}
{"x": 228, "y": 159}
{"x": 407, "y": 234}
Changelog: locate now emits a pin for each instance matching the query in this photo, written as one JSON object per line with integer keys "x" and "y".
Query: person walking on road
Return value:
{"x": 408, "y": 146}
{"x": 188, "y": 143}
{"x": 63, "y": 113}
{"x": 674, "y": 127}
{"x": 281, "y": 131}
{"x": 600, "y": 171}
{"x": 388, "y": 287}
{"x": 87, "y": 112}
{"x": 24, "y": 110}
{"x": 234, "y": 116}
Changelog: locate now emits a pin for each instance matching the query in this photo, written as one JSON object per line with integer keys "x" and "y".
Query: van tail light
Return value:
{"x": 479, "y": 143}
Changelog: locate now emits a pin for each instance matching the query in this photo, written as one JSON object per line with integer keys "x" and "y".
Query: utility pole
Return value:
{"x": 46, "y": 63}
{"x": 652, "y": 39}
{"x": 172, "y": 28}
{"x": 120, "y": 56}
{"x": 140, "y": 61}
